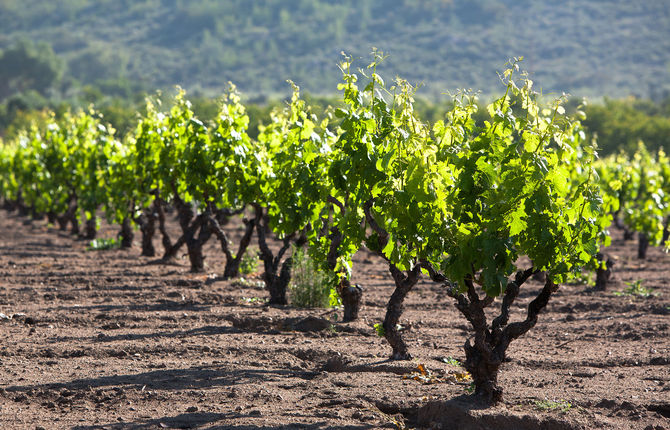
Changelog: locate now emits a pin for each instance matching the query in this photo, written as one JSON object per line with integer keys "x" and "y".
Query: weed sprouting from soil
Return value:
{"x": 452, "y": 361}
{"x": 249, "y": 262}
{"x": 310, "y": 288}
{"x": 247, "y": 283}
{"x": 103, "y": 244}
{"x": 252, "y": 300}
{"x": 553, "y": 405}
{"x": 587, "y": 279}
{"x": 636, "y": 289}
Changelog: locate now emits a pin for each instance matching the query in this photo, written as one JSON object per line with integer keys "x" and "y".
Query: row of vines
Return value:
{"x": 478, "y": 208}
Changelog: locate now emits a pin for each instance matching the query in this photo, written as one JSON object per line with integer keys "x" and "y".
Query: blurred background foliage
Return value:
{"x": 112, "y": 53}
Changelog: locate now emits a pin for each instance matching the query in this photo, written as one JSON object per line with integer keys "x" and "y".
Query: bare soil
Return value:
{"x": 108, "y": 340}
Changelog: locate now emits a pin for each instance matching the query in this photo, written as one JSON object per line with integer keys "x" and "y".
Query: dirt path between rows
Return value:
{"x": 104, "y": 340}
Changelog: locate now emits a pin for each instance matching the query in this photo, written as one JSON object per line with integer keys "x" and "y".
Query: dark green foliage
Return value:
{"x": 27, "y": 66}
{"x": 610, "y": 47}
{"x": 621, "y": 124}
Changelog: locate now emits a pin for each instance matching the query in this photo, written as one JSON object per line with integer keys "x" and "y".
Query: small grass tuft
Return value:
{"x": 310, "y": 288}
{"x": 249, "y": 261}
{"x": 452, "y": 361}
{"x": 553, "y": 405}
{"x": 103, "y": 244}
{"x": 636, "y": 289}
{"x": 251, "y": 300}
{"x": 247, "y": 283}
{"x": 587, "y": 279}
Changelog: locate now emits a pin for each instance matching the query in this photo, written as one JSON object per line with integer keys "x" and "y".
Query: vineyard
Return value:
{"x": 477, "y": 275}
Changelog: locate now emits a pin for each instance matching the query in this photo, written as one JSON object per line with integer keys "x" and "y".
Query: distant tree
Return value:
{"x": 28, "y": 66}
{"x": 621, "y": 124}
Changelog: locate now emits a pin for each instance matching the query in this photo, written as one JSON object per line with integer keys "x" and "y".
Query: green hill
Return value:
{"x": 593, "y": 48}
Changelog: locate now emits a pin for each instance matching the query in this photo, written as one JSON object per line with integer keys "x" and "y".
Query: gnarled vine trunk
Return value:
{"x": 642, "y": 246}
{"x": 486, "y": 354}
{"x": 403, "y": 285}
{"x": 604, "y": 271}
{"x": 351, "y": 295}
{"x": 62, "y": 222}
{"x": 232, "y": 267}
{"x": 184, "y": 215}
{"x": 404, "y": 282}
{"x": 35, "y": 215}
{"x": 147, "y": 223}
{"x": 21, "y": 207}
{"x": 277, "y": 274}
{"x": 169, "y": 250}
{"x": 195, "y": 243}
{"x": 628, "y": 234}
{"x": 90, "y": 228}
{"x": 126, "y": 233}
{"x": 70, "y": 216}
{"x": 8, "y": 205}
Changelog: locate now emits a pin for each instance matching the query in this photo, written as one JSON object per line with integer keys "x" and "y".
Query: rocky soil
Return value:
{"x": 110, "y": 340}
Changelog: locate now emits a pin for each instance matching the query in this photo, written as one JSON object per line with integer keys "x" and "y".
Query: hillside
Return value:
{"x": 594, "y": 48}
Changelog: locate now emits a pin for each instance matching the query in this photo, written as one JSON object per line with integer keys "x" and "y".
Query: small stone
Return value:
{"x": 312, "y": 324}
{"x": 112, "y": 326}
{"x": 21, "y": 398}
{"x": 192, "y": 409}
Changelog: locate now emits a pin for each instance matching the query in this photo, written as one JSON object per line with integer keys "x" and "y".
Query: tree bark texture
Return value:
{"x": 486, "y": 354}
{"x": 604, "y": 271}
{"x": 628, "y": 234}
{"x": 126, "y": 234}
{"x": 90, "y": 230}
{"x": 276, "y": 275}
{"x": 232, "y": 267}
{"x": 195, "y": 243}
{"x": 169, "y": 250}
{"x": 147, "y": 223}
{"x": 403, "y": 285}
{"x": 70, "y": 216}
{"x": 351, "y": 296}
{"x": 642, "y": 246}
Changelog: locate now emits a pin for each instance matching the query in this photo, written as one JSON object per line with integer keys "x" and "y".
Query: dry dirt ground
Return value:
{"x": 105, "y": 340}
